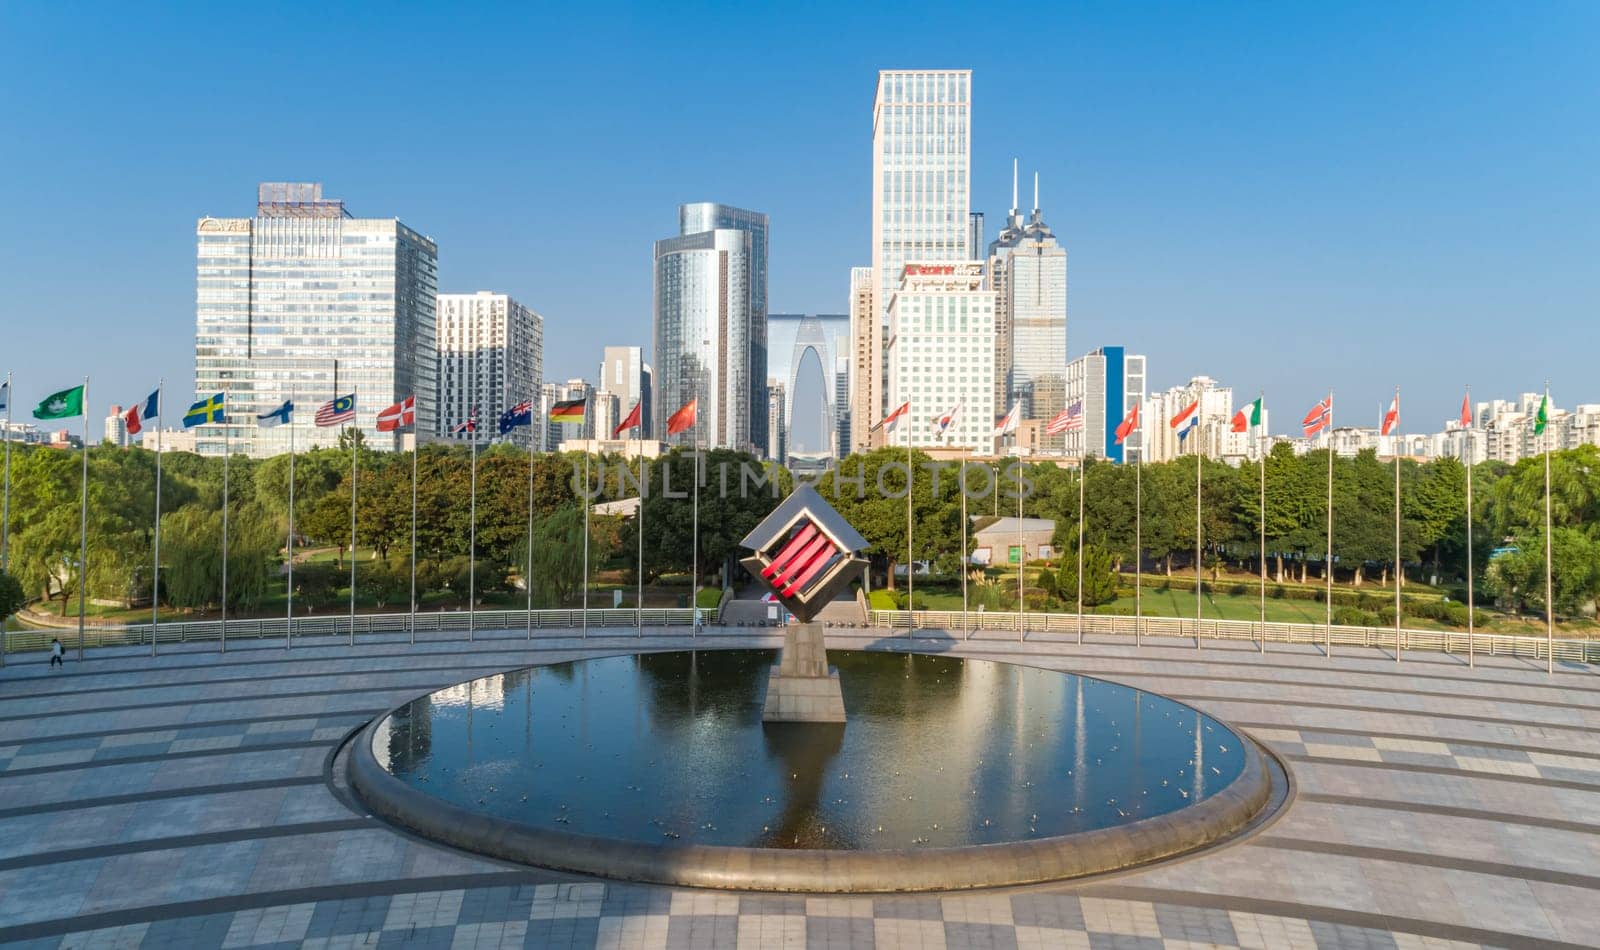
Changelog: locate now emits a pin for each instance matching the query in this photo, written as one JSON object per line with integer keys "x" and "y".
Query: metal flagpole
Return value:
{"x": 155, "y": 554}
{"x": 527, "y": 579}
{"x": 1327, "y": 565}
{"x": 1399, "y": 568}
{"x": 416, "y": 450}
{"x": 1083, "y": 475}
{"x": 227, "y": 452}
{"x": 911, "y": 605}
{"x": 966, "y": 624}
{"x": 472, "y": 532}
{"x": 288, "y": 618}
{"x": 83, "y": 520}
{"x": 638, "y": 597}
{"x": 353, "y": 455}
{"x": 1467, "y": 444}
{"x": 1022, "y": 554}
{"x": 587, "y": 504}
{"x": 5, "y": 512}
{"x": 1549, "y": 586}
{"x": 694, "y": 556}
{"x": 1199, "y": 580}
{"x": 1261, "y": 451}
{"x": 1138, "y": 537}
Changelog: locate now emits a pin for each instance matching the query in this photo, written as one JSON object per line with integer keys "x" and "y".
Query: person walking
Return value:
{"x": 55, "y": 653}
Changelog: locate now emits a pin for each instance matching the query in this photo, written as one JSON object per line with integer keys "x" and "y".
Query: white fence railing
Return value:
{"x": 1449, "y": 641}
{"x": 453, "y": 622}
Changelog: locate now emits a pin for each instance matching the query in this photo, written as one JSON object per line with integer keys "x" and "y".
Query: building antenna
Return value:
{"x": 1035, "y": 192}
{"x": 1013, "y": 186}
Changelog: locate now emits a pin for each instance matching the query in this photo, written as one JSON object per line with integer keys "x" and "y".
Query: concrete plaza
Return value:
{"x": 191, "y": 800}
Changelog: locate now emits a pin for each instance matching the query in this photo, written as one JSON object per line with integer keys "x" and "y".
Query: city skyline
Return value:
{"x": 1395, "y": 226}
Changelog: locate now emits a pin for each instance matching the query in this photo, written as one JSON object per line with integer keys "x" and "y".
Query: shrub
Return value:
{"x": 1355, "y": 617}
{"x": 882, "y": 600}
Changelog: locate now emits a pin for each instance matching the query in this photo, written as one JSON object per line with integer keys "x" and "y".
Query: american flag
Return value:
{"x": 335, "y": 411}
{"x": 1069, "y": 419}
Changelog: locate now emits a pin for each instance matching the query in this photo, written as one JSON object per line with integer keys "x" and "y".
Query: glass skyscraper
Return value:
{"x": 921, "y": 156}
{"x": 304, "y": 301}
{"x": 711, "y": 326}
{"x": 1029, "y": 272}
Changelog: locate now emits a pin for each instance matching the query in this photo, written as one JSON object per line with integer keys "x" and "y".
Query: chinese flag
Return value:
{"x": 1466, "y": 412}
{"x": 628, "y": 423}
{"x": 683, "y": 418}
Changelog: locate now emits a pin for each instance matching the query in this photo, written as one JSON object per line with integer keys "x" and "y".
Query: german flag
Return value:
{"x": 570, "y": 410}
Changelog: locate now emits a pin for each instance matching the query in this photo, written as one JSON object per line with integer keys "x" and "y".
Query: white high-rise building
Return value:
{"x": 557, "y": 432}
{"x": 116, "y": 427}
{"x": 1106, "y": 383}
{"x": 941, "y": 355}
{"x": 305, "y": 301}
{"x": 491, "y": 357}
{"x": 921, "y": 193}
{"x": 1208, "y": 430}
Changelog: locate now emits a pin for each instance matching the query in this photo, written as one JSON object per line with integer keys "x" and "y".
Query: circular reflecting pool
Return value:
{"x": 937, "y": 752}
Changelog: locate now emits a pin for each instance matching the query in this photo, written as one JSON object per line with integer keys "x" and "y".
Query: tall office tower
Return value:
{"x": 866, "y": 358}
{"x": 777, "y": 427}
{"x": 1108, "y": 382}
{"x": 941, "y": 355}
{"x": 557, "y": 432}
{"x": 624, "y": 372}
{"x": 711, "y": 326}
{"x": 921, "y": 156}
{"x": 491, "y": 357}
{"x": 841, "y": 397}
{"x": 284, "y": 295}
{"x": 975, "y": 243}
{"x": 1029, "y": 274}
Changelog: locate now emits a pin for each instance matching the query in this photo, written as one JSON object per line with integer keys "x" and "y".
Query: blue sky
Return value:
{"x": 1287, "y": 197}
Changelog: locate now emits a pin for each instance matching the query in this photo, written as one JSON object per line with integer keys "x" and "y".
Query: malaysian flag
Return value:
{"x": 1069, "y": 419}
{"x": 335, "y": 411}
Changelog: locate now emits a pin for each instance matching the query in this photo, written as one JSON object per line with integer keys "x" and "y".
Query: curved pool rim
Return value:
{"x": 1241, "y": 806}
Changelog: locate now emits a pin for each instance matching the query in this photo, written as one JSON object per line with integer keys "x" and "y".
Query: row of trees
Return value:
{"x": 868, "y": 489}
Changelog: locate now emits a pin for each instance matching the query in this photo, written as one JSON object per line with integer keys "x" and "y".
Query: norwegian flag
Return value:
{"x": 1069, "y": 419}
{"x": 1320, "y": 417}
{"x": 402, "y": 413}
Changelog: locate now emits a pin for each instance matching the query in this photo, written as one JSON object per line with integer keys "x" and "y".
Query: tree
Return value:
{"x": 12, "y": 599}
{"x": 1099, "y": 580}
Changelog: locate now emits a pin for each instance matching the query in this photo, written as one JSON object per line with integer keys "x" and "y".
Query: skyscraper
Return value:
{"x": 866, "y": 359}
{"x": 279, "y": 298}
{"x": 711, "y": 326}
{"x": 624, "y": 372}
{"x": 491, "y": 357}
{"x": 1029, "y": 273}
{"x": 801, "y": 355}
{"x": 941, "y": 356}
{"x": 1108, "y": 381}
{"x": 921, "y": 156}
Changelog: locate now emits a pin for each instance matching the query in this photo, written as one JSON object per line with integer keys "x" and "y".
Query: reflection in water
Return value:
{"x": 937, "y": 751}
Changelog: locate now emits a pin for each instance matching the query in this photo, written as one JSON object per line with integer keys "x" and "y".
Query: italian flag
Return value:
{"x": 1248, "y": 417}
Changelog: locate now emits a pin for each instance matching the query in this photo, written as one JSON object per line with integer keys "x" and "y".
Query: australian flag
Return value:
{"x": 519, "y": 415}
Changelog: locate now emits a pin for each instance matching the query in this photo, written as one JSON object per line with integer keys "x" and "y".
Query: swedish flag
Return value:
{"x": 206, "y": 410}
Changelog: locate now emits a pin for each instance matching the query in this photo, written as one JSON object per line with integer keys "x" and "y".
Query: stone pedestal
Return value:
{"x": 801, "y": 688}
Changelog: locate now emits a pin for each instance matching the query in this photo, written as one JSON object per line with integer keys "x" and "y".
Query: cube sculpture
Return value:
{"x": 805, "y": 553}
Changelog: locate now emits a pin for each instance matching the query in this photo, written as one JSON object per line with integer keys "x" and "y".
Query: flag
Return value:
{"x": 62, "y": 405}
{"x": 1243, "y": 420}
{"x": 1069, "y": 419}
{"x": 1177, "y": 420}
{"x": 569, "y": 410}
{"x": 1130, "y": 424}
{"x": 892, "y": 419}
{"x": 137, "y": 416}
{"x": 684, "y": 418}
{"x": 402, "y": 413}
{"x": 1183, "y": 433}
{"x": 519, "y": 415}
{"x": 941, "y": 423}
{"x": 630, "y": 422}
{"x": 1466, "y": 412}
{"x": 281, "y": 416}
{"x": 1008, "y": 422}
{"x": 335, "y": 411}
{"x": 1540, "y": 420}
{"x": 1318, "y": 418}
{"x": 206, "y": 410}
{"x": 1391, "y": 418}
{"x": 471, "y": 425}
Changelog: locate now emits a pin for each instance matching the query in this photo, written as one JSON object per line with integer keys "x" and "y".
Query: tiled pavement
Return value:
{"x": 185, "y": 801}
